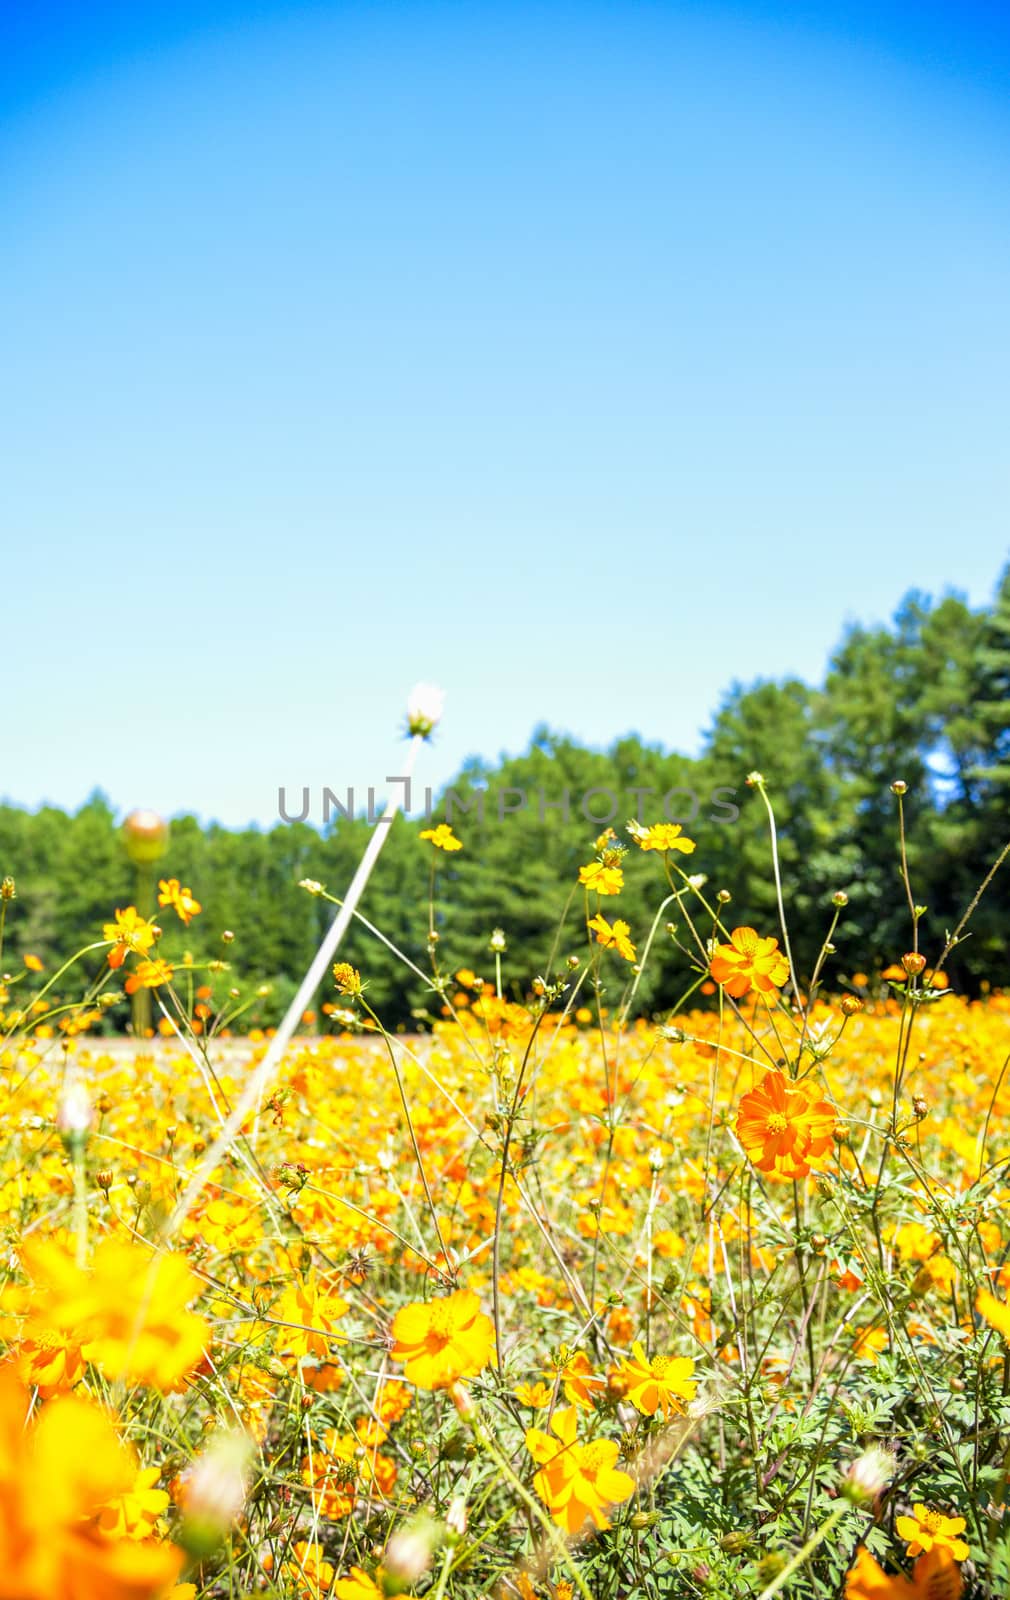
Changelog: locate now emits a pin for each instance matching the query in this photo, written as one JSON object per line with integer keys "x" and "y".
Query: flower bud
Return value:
{"x": 409, "y": 1552}
{"x": 463, "y": 1400}
{"x": 74, "y": 1114}
{"x": 913, "y": 964}
{"x": 868, "y": 1475}
{"x": 425, "y": 705}
{"x": 850, "y": 1004}
{"x": 456, "y": 1518}
{"x": 146, "y": 836}
{"x": 899, "y": 786}
{"x": 839, "y": 898}
{"x": 213, "y": 1492}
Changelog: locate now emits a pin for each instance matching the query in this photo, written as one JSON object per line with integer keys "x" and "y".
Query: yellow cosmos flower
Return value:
{"x": 311, "y": 1316}
{"x": 577, "y": 1482}
{"x": 358, "y": 1586}
{"x": 134, "y": 1513}
{"x": 926, "y": 1530}
{"x": 129, "y": 1311}
{"x": 130, "y": 931}
{"x": 613, "y": 937}
{"x": 996, "y": 1312}
{"x": 663, "y": 836}
{"x": 58, "y": 1474}
{"x": 443, "y": 1340}
{"x": 181, "y": 900}
{"x": 442, "y": 837}
{"x": 663, "y": 1383}
{"x": 601, "y": 879}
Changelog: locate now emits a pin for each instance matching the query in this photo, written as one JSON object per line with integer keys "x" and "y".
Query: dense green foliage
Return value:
{"x": 924, "y": 700}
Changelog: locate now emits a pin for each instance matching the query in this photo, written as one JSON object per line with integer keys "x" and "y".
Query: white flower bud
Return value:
{"x": 215, "y": 1490}
{"x": 410, "y": 1550}
{"x": 74, "y": 1113}
{"x": 425, "y": 704}
{"x": 868, "y": 1474}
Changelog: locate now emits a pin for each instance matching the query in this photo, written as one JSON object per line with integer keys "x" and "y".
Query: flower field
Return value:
{"x": 549, "y": 1299}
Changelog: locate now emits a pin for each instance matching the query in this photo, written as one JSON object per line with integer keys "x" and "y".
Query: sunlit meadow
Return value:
{"x": 552, "y": 1299}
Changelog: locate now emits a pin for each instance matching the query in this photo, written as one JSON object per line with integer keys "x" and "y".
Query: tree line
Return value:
{"x": 923, "y": 700}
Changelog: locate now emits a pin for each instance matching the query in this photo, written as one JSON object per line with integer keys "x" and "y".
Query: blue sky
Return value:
{"x": 582, "y": 359}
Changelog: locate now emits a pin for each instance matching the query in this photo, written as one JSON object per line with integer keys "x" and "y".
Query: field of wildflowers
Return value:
{"x": 553, "y": 1299}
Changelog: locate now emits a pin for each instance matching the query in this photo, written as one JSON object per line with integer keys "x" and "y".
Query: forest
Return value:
{"x": 922, "y": 701}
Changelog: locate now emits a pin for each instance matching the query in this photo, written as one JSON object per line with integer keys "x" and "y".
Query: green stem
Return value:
{"x": 802, "y": 1556}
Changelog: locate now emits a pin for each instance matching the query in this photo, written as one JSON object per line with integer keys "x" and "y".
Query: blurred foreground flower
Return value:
{"x": 128, "y": 1314}
{"x": 58, "y": 1477}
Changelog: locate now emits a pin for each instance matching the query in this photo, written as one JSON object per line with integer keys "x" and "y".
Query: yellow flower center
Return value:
{"x": 933, "y": 1521}
{"x": 777, "y": 1122}
{"x": 661, "y": 1365}
{"x": 594, "y": 1456}
{"x": 440, "y": 1326}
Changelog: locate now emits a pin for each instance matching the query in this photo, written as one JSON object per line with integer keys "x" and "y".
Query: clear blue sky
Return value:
{"x": 579, "y": 358}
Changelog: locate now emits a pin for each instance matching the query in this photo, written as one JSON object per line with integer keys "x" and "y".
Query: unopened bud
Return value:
{"x": 899, "y": 786}
{"x": 839, "y": 898}
{"x": 74, "y": 1114}
{"x": 463, "y": 1400}
{"x": 456, "y": 1518}
{"x": 850, "y": 1004}
{"x": 913, "y": 963}
{"x": 868, "y": 1475}
{"x": 920, "y": 1107}
{"x": 213, "y": 1493}
{"x": 410, "y": 1550}
{"x": 425, "y": 705}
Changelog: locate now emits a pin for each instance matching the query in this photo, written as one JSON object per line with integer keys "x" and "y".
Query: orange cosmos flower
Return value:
{"x": 579, "y": 1381}
{"x": 443, "y": 1340}
{"x": 934, "y": 1577}
{"x": 56, "y": 1476}
{"x": 577, "y": 1482}
{"x": 927, "y": 1530}
{"x": 312, "y": 1316}
{"x": 442, "y": 837}
{"x": 181, "y": 900}
{"x": 309, "y": 1573}
{"x": 613, "y": 937}
{"x": 130, "y": 931}
{"x": 749, "y": 962}
{"x": 663, "y": 1383}
{"x": 148, "y": 975}
{"x": 602, "y": 879}
{"x": 782, "y": 1127}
